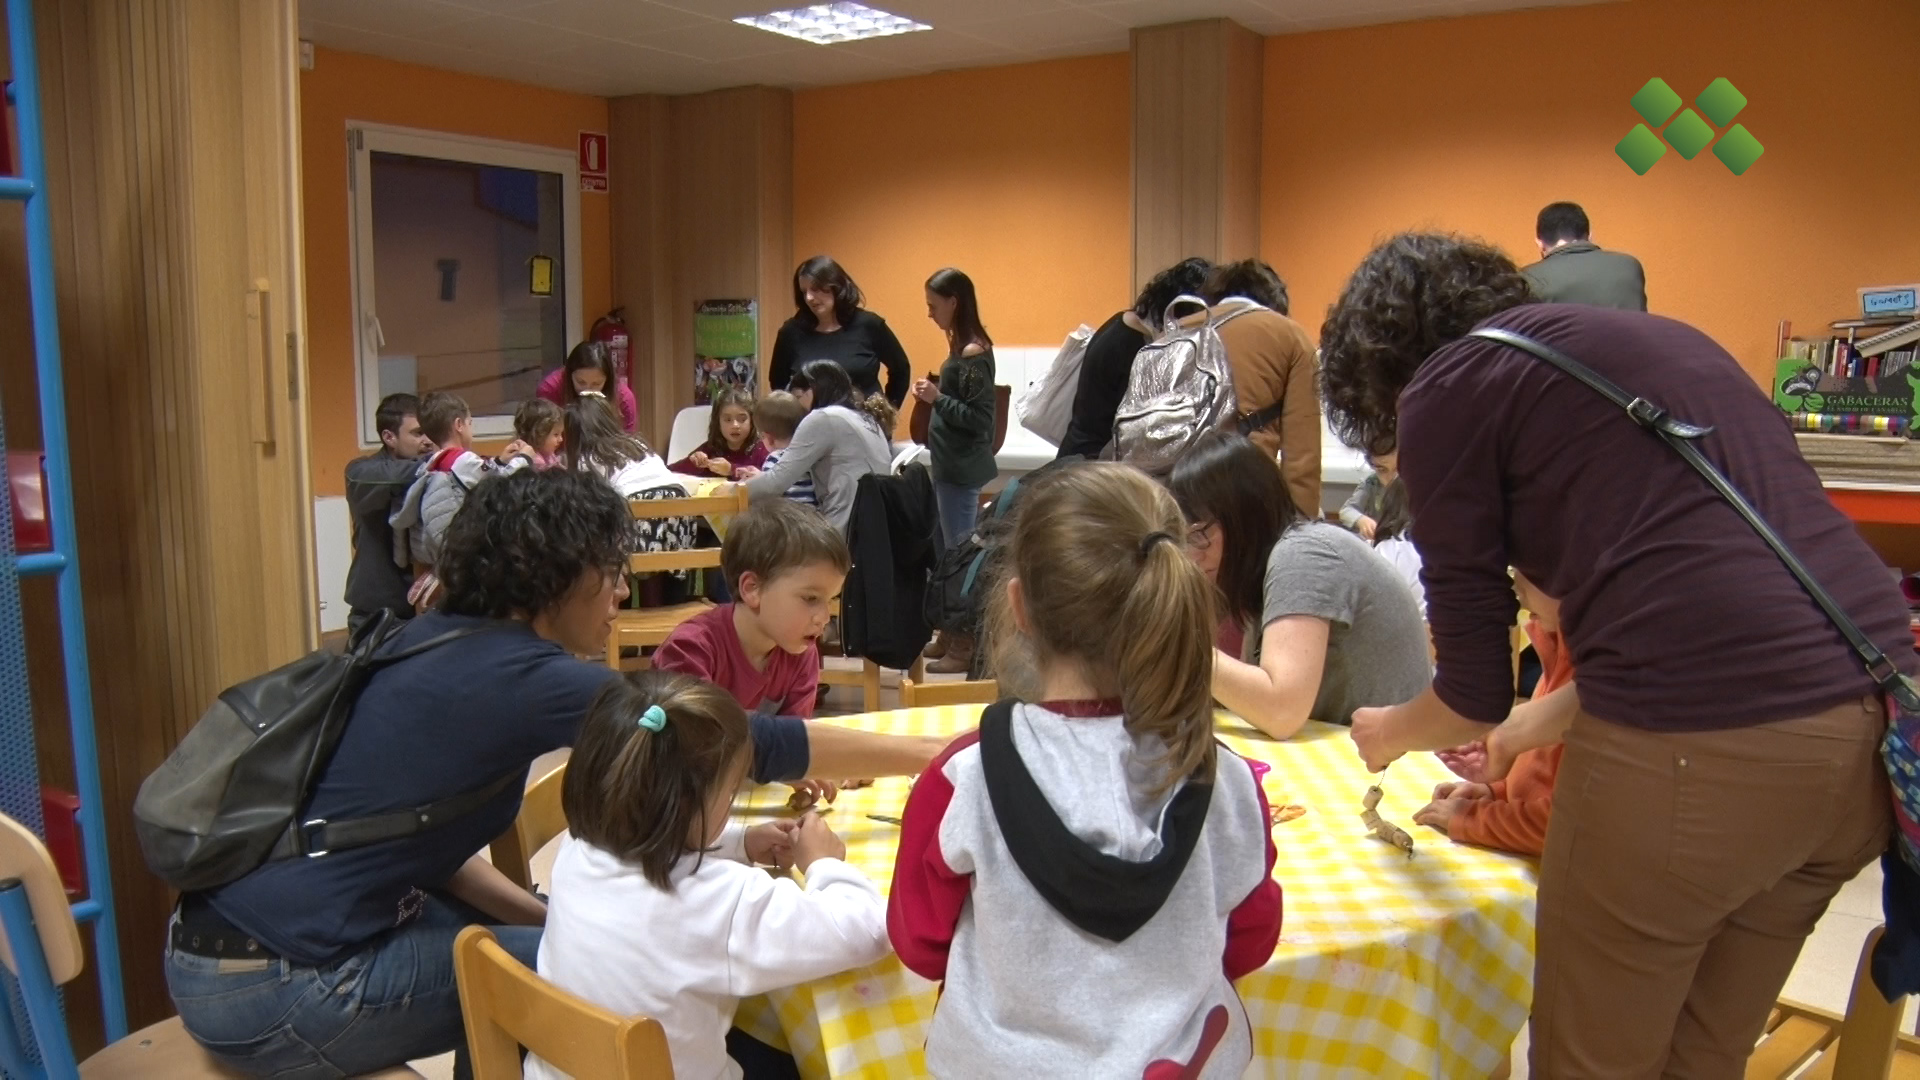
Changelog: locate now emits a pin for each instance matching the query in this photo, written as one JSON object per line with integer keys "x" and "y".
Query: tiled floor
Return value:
{"x": 1822, "y": 978}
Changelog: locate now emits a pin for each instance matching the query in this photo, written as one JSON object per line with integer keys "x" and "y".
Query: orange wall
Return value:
{"x": 345, "y": 87}
{"x": 1018, "y": 175}
{"x": 1473, "y": 124}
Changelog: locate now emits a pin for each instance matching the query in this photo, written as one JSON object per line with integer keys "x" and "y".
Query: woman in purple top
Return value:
{"x": 589, "y": 370}
{"x": 1721, "y": 778}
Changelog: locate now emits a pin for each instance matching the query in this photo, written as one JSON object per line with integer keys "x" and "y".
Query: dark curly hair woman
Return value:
{"x": 1713, "y": 796}
{"x": 342, "y": 963}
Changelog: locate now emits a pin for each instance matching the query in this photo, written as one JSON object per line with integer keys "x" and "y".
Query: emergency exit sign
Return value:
{"x": 593, "y": 161}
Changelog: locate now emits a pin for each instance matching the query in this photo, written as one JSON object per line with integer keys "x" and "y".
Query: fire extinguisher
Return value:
{"x": 611, "y": 330}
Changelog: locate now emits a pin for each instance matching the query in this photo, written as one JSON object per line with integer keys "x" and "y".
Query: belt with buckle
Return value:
{"x": 202, "y": 931}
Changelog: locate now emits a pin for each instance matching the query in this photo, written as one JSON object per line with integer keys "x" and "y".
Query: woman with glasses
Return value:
{"x": 1330, "y": 626}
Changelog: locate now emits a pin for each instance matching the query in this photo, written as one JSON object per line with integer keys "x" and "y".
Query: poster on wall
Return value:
{"x": 726, "y": 342}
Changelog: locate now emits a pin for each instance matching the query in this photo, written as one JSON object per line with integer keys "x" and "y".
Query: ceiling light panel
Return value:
{"x": 826, "y": 24}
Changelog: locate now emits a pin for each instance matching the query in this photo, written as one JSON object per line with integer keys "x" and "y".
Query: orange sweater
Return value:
{"x": 1515, "y": 818}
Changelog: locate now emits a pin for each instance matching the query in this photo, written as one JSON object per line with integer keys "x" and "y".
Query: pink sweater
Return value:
{"x": 629, "y": 408}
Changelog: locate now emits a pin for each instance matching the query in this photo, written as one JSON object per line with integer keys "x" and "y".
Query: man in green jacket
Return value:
{"x": 1574, "y": 270}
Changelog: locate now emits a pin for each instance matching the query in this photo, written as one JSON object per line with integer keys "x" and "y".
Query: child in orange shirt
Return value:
{"x": 1511, "y": 814}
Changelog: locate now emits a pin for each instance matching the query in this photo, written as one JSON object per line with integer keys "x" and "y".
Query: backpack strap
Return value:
{"x": 1261, "y": 419}
{"x": 318, "y": 836}
{"x": 1683, "y": 437}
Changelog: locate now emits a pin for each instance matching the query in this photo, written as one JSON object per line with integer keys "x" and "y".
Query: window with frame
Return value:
{"x": 466, "y": 269}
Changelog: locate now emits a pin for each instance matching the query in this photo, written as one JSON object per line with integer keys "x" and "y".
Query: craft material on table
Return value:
{"x": 1387, "y": 967}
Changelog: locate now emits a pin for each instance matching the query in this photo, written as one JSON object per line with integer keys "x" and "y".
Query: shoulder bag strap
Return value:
{"x": 1683, "y": 436}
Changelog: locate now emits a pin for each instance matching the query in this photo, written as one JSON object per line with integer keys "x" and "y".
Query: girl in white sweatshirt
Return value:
{"x": 656, "y": 909}
{"x": 1089, "y": 871}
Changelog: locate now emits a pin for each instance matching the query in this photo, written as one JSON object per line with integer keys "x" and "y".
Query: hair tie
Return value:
{"x": 1152, "y": 538}
{"x": 654, "y": 719}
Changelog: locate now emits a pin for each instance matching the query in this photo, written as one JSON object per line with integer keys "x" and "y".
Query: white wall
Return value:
{"x": 333, "y": 552}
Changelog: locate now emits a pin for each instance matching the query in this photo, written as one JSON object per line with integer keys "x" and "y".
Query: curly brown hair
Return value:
{"x": 1411, "y": 296}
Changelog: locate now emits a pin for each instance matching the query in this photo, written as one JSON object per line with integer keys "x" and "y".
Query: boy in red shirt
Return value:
{"x": 784, "y": 563}
{"x": 1511, "y": 814}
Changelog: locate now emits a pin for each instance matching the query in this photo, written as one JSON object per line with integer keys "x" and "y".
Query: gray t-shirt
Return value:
{"x": 1376, "y": 641}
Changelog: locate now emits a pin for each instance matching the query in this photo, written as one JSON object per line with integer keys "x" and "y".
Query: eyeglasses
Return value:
{"x": 1200, "y": 537}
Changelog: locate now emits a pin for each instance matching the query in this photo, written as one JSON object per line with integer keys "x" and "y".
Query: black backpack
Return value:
{"x": 228, "y": 798}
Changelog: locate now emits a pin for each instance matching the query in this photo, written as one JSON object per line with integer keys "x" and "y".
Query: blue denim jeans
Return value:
{"x": 394, "y": 1001}
{"x": 959, "y": 507}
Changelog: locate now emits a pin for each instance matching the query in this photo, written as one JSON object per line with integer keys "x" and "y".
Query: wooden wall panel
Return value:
{"x": 642, "y": 263}
{"x": 702, "y": 210}
{"x": 169, "y": 131}
{"x": 1196, "y": 148}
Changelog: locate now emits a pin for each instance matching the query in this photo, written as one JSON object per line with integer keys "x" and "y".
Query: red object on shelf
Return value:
{"x": 27, "y": 486}
{"x": 1868, "y": 506}
{"x": 61, "y": 811}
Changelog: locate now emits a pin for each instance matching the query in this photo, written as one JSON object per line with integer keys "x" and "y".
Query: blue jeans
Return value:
{"x": 394, "y": 1001}
{"x": 959, "y": 506}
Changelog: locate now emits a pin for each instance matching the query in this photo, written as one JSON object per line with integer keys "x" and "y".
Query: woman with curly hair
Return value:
{"x": 1721, "y": 779}
{"x": 341, "y": 963}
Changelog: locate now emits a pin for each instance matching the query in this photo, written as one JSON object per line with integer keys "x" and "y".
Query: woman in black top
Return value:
{"x": 830, "y": 324}
{"x": 1109, "y": 360}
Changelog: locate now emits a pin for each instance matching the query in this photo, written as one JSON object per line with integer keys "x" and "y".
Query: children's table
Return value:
{"x": 1388, "y": 966}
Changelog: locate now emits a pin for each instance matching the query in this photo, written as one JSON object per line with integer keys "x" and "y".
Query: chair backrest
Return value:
{"x": 24, "y": 858}
{"x": 641, "y": 562}
{"x": 920, "y": 695}
{"x": 505, "y": 1007}
{"x": 540, "y": 820}
{"x": 689, "y": 431}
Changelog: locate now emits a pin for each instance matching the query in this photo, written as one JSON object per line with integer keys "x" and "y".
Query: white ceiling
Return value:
{"x": 616, "y": 47}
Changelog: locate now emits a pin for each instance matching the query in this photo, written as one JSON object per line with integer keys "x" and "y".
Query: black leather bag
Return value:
{"x": 228, "y": 798}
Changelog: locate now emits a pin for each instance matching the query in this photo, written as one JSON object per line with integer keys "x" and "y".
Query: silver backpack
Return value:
{"x": 1181, "y": 388}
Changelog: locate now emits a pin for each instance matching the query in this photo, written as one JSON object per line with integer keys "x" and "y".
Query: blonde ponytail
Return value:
{"x": 1165, "y": 631}
{"x": 1099, "y": 552}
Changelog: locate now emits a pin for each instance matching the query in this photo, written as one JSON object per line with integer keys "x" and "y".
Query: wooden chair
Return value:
{"x": 920, "y": 695}
{"x": 540, "y": 820}
{"x": 506, "y": 1007}
{"x": 650, "y": 626}
{"x": 867, "y": 678}
{"x": 1862, "y": 1045}
{"x": 40, "y": 945}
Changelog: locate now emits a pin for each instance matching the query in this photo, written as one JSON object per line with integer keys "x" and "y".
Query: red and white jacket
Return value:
{"x": 1083, "y": 925}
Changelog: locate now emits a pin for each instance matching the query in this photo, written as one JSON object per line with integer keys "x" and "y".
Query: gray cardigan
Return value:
{"x": 836, "y": 446}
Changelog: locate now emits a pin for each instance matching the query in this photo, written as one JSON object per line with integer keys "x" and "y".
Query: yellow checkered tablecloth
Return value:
{"x": 1387, "y": 966}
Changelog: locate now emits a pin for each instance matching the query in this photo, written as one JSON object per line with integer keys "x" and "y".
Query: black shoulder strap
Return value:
{"x": 1682, "y": 437}
{"x": 318, "y": 836}
{"x": 1261, "y": 419}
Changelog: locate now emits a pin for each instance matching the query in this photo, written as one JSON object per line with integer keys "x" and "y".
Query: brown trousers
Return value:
{"x": 1683, "y": 871}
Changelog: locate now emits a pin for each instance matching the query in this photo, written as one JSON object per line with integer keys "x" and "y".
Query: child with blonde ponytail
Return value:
{"x": 1090, "y": 870}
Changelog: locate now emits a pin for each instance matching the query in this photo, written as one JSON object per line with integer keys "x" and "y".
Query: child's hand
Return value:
{"x": 813, "y": 841}
{"x": 1439, "y": 813}
{"x": 771, "y": 844}
{"x": 719, "y": 466}
{"x": 746, "y": 472}
{"x": 1462, "y": 790}
{"x": 1365, "y": 527}
{"x": 819, "y": 791}
{"x": 699, "y": 460}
